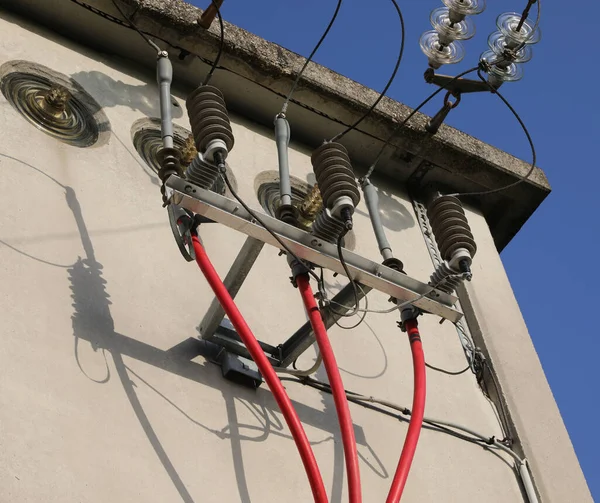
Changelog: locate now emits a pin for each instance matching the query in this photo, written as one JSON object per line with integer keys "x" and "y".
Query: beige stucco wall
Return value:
{"x": 128, "y": 422}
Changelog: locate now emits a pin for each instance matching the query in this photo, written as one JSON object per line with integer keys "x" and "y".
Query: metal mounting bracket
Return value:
{"x": 367, "y": 272}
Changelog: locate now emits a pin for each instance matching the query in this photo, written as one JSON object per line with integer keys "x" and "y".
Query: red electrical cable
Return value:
{"x": 416, "y": 418}
{"x": 266, "y": 369}
{"x": 337, "y": 388}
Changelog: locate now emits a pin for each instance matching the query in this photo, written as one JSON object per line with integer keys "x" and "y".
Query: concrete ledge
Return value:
{"x": 324, "y": 102}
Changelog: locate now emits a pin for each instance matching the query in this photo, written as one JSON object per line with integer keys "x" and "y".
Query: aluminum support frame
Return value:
{"x": 370, "y": 274}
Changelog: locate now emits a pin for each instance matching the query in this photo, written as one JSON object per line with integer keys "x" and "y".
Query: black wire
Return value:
{"x": 114, "y": 20}
{"x": 356, "y": 399}
{"x": 387, "y": 86}
{"x": 410, "y": 116}
{"x": 447, "y": 372}
{"x": 529, "y": 139}
{"x": 312, "y": 55}
{"x": 132, "y": 25}
{"x": 345, "y": 266}
{"x": 505, "y": 421}
{"x": 266, "y": 227}
{"x": 221, "y": 46}
{"x": 362, "y": 318}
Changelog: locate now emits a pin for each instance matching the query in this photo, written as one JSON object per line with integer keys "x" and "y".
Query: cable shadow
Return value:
{"x": 154, "y": 180}
{"x": 383, "y": 351}
{"x": 54, "y": 180}
{"x": 37, "y": 259}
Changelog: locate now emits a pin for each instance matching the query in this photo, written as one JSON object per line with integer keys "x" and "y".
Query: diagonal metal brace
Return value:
{"x": 304, "y": 337}
{"x": 234, "y": 280}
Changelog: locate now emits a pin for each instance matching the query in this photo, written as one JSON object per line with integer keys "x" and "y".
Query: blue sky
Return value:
{"x": 552, "y": 263}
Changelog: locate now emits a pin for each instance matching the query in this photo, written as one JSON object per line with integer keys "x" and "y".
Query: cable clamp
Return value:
{"x": 408, "y": 313}
{"x": 297, "y": 268}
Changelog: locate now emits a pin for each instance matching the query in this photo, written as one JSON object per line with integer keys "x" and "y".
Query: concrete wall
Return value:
{"x": 93, "y": 405}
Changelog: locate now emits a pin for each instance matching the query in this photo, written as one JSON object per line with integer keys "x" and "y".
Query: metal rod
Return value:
{"x": 164, "y": 76}
{"x": 282, "y": 139}
{"x": 372, "y": 201}
{"x": 304, "y": 337}
{"x": 233, "y": 282}
{"x": 307, "y": 247}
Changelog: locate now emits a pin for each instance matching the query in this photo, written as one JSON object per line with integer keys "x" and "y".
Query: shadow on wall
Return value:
{"x": 112, "y": 93}
{"x": 394, "y": 215}
{"x": 92, "y": 322}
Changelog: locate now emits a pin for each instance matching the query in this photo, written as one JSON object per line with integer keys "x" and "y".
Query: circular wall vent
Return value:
{"x": 53, "y": 103}
{"x": 266, "y": 186}
{"x": 147, "y": 140}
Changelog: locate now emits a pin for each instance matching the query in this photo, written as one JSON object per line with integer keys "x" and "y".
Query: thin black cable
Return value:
{"x": 523, "y": 178}
{"x": 410, "y": 116}
{"x": 356, "y": 399}
{"x": 309, "y": 59}
{"x": 362, "y": 318}
{"x": 221, "y": 46}
{"x": 387, "y": 86}
{"x": 349, "y": 276}
{"x": 447, "y": 372}
{"x": 505, "y": 419}
{"x": 132, "y": 25}
{"x": 525, "y": 14}
{"x": 266, "y": 227}
{"x": 320, "y": 113}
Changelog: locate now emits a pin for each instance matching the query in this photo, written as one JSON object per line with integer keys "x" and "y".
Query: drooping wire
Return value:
{"x": 221, "y": 45}
{"x": 364, "y": 311}
{"x": 447, "y": 427}
{"x": 410, "y": 116}
{"x": 523, "y": 178}
{"x": 132, "y": 25}
{"x": 447, "y": 372}
{"x": 309, "y": 59}
{"x": 387, "y": 86}
{"x": 397, "y": 306}
{"x": 348, "y": 275}
{"x": 255, "y": 216}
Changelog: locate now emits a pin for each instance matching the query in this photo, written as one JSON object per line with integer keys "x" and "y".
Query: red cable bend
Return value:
{"x": 266, "y": 369}
{"x": 416, "y": 418}
{"x": 337, "y": 388}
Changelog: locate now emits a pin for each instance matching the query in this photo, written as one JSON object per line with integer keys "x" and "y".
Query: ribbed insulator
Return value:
{"x": 169, "y": 159}
{"x": 443, "y": 278}
{"x": 209, "y": 118}
{"x": 334, "y": 173}
{"x": 450, "y": 226}
{"x": 202, "y": 173}
{"x": 327, "y": 227}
